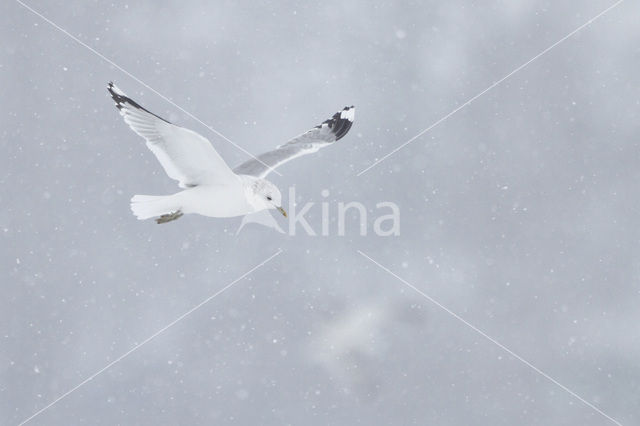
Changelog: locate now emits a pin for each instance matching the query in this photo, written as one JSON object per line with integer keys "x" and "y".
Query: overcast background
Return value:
{"x": 520, "y": 213}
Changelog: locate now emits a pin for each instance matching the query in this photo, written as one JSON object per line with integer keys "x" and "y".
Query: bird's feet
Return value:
{"x": 169, "y": 217}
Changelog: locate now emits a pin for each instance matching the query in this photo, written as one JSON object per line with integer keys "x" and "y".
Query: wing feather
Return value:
{"x": 185, "y": 155}
{"x": 315, "y": 139}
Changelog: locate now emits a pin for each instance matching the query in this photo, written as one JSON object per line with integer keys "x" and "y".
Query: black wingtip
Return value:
{"x": 123, "y": 100}
{"x": 117, "y": 95}
{"x": 341, "y": 122}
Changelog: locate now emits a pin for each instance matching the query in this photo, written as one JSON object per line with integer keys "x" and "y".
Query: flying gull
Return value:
{"x": 210, "y": 187}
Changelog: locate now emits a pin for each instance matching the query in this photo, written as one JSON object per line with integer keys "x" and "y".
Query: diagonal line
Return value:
{"x": 467, "y": 103}
{"x": 109, "y": 61}
{"x": 486, "y": 336}
{"x": 147, "y": 340}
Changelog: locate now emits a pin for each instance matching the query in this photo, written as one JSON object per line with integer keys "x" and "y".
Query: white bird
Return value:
{"x": 211, "y": 188}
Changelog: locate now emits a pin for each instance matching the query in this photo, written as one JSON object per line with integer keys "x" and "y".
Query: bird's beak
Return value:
{"x": 281, "y": 210}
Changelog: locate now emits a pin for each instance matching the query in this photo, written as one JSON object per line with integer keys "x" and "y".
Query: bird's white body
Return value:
{"x": 211, "y": 187}
{"x": 234, "y": 197}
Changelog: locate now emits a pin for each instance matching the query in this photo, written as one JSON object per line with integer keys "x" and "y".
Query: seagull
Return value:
{"x": 210, "y": 187}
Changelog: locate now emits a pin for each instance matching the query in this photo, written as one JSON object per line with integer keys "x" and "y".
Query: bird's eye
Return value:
{"x": 269, "y": 197}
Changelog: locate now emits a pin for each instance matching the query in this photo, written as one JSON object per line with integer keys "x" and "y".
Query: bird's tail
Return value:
{"x": 148, "y": 206}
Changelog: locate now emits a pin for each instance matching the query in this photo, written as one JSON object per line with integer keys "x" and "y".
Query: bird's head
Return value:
{"x": 267, "y": 196}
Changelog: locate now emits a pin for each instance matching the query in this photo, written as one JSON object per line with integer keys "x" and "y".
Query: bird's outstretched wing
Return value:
{"x": 320, "y": 136}
{"x": 185, "y": 155}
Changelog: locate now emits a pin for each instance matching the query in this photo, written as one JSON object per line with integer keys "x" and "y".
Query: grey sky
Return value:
{"x": 519, "y": 213}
